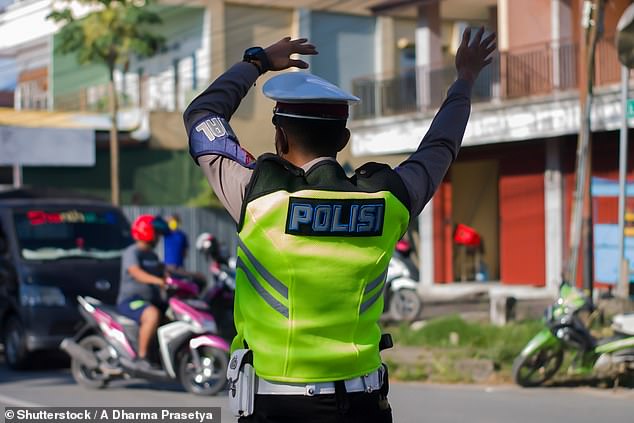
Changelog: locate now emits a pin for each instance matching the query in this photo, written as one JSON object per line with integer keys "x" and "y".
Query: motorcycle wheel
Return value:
{"x": 536, "y": 368}
{"x": 90, "y": 378}
{"x": 405, "y": 305}
{"x": 213, "y": 377}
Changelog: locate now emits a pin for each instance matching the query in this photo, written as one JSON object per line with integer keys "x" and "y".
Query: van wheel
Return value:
{"x": 15, "y": 352}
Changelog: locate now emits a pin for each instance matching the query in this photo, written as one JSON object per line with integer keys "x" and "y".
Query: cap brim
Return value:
{"x": 302, "y": 87}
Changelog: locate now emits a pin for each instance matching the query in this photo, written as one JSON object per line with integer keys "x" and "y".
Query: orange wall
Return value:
{"x": 528, "y": 22}
{"x": 522, "y": 224}
{"x": 613, "y": 11}
{"x": 605, "y": 153}
{"x": 521, "y": 213}
{"x": 522, "y": 221}
{"x": 443, "y": 247}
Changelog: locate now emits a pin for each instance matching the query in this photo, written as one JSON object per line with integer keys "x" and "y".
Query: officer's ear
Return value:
{"x": 281, "y": 141}
{"x": 345, "y": 137}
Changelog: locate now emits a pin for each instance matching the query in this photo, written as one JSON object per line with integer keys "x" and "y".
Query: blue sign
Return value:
{"x": 606, "y": 253}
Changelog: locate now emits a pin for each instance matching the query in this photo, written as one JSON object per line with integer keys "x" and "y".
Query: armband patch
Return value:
{"x": 213, "y": 135}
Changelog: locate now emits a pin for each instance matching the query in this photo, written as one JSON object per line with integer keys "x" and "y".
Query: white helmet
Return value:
{"x": 204, "y": 242}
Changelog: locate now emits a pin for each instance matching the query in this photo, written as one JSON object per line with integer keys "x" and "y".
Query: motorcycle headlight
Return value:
{"x": 40, "y": 295}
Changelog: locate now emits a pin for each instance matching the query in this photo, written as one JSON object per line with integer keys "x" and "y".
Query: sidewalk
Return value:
{"x": 474, "y": 299}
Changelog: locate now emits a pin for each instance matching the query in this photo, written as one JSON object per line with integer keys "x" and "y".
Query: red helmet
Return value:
{"x": 143, "y": 229}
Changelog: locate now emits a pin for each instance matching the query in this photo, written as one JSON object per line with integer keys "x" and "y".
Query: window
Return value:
{"x": 51, "y": 234}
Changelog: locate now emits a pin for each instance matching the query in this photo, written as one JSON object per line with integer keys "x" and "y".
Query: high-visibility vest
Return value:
{"x": 314, "y": 249}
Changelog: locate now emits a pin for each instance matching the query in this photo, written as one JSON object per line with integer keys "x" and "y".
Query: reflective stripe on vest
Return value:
{"x": 307, "y": 300}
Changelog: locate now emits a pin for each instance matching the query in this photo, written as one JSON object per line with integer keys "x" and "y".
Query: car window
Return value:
{"x": 56, "y": 233}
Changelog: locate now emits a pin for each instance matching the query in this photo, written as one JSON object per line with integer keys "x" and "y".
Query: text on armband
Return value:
{"x": 212, "y": 128}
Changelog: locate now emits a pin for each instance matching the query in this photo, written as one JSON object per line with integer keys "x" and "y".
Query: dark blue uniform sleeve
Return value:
{"x": 207, "y": 117}
{"x": 425, "y": 169}
{"x": 223, "y": 96}
{"x": 213, "y": 144}
{"x": 213, "y": 135}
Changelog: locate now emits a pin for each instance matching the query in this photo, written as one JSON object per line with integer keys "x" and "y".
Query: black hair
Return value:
{"x": 317, "y": 136}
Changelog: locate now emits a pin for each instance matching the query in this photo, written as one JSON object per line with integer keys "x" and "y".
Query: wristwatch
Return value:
{"x": 257, "y": 56}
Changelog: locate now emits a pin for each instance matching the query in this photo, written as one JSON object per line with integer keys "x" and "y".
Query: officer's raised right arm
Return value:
{"x": 424, "y": 170}
{"x": 206, "y": 118}
{"x": 212, "y": 143}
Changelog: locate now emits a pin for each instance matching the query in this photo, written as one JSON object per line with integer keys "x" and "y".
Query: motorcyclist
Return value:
{"x": 142, "y": 277}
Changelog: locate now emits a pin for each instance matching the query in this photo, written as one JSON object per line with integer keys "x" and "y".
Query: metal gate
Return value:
{"x": 194, "y": 221}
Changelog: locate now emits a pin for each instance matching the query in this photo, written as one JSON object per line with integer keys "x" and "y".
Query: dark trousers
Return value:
{"x": 354, "y": 407}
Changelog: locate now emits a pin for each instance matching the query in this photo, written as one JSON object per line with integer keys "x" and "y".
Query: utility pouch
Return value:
{"x": 241, "y": 376}
{"x": 386, "y": 342}
{"x": 384, "y": 404}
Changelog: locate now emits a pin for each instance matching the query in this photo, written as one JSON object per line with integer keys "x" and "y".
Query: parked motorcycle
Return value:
{"x": 402, "y": 302}
{"x": 188, "y": 349}
{"x": 220, "y": 291}
{"x": 566, "y": 333}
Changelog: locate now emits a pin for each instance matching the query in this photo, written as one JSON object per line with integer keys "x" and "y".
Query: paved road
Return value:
{"x": 413, "y": 403}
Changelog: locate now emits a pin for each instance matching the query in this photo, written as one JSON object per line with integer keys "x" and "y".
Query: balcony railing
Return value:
{"x": 154, "y": 93}
{"x": 535, "y": 70}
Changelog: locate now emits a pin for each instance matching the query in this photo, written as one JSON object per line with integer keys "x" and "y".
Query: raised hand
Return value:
{"x": 280, "y": 52}
{"x": 472, "y": 58}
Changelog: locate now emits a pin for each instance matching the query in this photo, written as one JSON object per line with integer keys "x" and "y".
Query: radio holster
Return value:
{"x": 241, "y": 376}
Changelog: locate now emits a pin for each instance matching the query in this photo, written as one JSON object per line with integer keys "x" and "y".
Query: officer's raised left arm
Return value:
{"x": 424, "y": 170}
{"x": 212, "y": 143}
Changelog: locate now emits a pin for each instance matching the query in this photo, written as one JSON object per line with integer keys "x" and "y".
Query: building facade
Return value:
{"x": 515, "y": 176}
{"x": 514, "y": 179}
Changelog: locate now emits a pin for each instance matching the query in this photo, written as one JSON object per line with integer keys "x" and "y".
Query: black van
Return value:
{"x": 53, "y": 248}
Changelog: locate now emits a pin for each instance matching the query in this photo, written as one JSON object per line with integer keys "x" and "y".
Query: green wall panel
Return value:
{"x": 155, "y": 177}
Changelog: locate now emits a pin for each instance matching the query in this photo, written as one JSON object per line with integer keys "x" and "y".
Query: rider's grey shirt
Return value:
{"x": 130, "y": 287}
{"x": 421, "y": 173}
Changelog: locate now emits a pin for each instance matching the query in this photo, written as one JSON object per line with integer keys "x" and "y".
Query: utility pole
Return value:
{"x": 581, "y": 222}
{"x": 625, "y": 47}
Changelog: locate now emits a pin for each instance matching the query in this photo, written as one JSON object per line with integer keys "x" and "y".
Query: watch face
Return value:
{"x": 252, "y": 51}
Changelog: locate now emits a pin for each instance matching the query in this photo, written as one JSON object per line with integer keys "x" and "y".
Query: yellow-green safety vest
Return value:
{"x": 314, "y": 249}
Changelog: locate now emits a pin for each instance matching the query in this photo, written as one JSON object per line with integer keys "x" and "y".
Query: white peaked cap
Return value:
{"x": 303, "y": 87}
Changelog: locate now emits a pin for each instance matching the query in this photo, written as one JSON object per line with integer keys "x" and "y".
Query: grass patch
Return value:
{"x": 483, "y": 340}
{"x": 450, "y": 342}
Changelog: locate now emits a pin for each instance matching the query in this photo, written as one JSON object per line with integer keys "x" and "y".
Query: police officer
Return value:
{"x": 314, "y": 245}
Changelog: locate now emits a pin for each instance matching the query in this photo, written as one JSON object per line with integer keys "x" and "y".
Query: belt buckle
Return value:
{"x": 310, "y": 390}
{"x": 366, "y": 385}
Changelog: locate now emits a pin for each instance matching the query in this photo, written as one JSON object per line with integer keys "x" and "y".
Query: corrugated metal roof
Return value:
{"x": 132, "y": 120}
{"x": 40, "y": 119}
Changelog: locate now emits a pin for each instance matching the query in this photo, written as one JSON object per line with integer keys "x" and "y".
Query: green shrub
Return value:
{"x": 473, "y": 339}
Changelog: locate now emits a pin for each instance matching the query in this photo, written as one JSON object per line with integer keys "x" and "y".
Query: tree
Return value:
{"x": 109, "y": 35}
{"x": 205, "y": 198}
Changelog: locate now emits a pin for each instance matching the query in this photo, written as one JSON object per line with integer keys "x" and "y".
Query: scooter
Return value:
{"x": 220, "y": 295}
{"x": 220, "y": 291}
{"x": 566, "y": 333}
{"x": 402, "y": 302}
{"x": 190, "y": 350}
